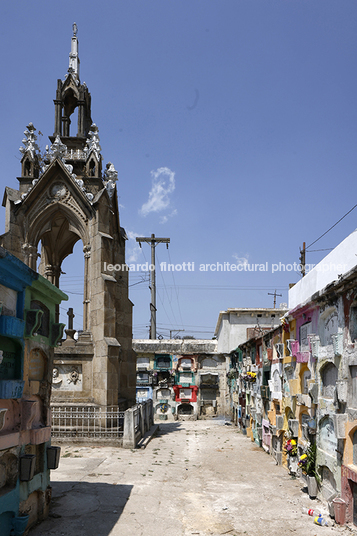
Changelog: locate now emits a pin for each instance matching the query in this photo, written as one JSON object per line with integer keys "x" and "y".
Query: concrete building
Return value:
{"x": 237, "y": 325}
{"x": 28, "y": 334}
{"x": 64, "y": 197}
{"x": 186, "y": 378}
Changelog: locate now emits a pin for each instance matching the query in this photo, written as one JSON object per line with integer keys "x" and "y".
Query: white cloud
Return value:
{"x": 164, "y": 219}
{"x": 241, "y": 260}
{"x": 133, "y": 248}
{"x": 163, "y": 184}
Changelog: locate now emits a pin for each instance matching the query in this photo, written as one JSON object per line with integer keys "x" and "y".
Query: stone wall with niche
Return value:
{"x": 8, "y": 469}
{"x": 164, "y": 392}
{"x": 143, "y": 393}
{"x": 327, "y": 447}
{"x": 349, "y": 372}
{"x": 331, "y": 322}
{"x": 209, "y": 362}
{"x": 72, "y": 375}
{"x": 67, "y": 377}
{"x": 143, "y": 363}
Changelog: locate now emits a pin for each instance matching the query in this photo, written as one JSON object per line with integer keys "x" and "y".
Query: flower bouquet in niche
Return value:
{"x": 307, "y": 463}
{"x": 291, "y": 451}
{"x": 291, "y": 447}
{"x": 249, "y": 377}
{"x": 252, "y": 377}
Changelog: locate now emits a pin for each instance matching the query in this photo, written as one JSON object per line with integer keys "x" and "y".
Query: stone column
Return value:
{"x": 66, "y": 122}
{"x": 58, "y": 115}
{"x": 30, "y": 255}
{"x": 86, "y": 300}
{"x": 80, "y": 119}
{"x": 58, "y": 109}
{"x": 52, "y": 273}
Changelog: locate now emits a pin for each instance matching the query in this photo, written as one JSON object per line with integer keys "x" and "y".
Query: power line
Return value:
{"x": 334, "y": 225}
{"x": 77, "y": 314}
{"x": 217, "y": 287}
{"x": 143, "y": 279}
{"x": 173, "y": 278}
{"x": 326, "y": 249}
{"x": 164, "y": 308}
{"x": 167, "y": 294}
{"x": 188, "y": 326}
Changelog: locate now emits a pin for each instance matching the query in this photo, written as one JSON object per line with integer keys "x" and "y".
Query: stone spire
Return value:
{"x": 73, "y": 55}
{"x": 71, "y": 94}
{"x": 30, "y": 166}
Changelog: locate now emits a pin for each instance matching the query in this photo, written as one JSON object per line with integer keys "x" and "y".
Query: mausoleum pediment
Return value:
{"x": 57, "y": 185}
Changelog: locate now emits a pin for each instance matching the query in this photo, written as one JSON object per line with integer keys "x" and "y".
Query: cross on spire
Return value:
{"x": 73, "y": 55}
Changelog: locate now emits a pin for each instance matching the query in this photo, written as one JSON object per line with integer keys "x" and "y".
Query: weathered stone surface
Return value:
{"x": 70, "y": 201}
{"x": 175, "y": 346}
{"x": 214, "y": 489}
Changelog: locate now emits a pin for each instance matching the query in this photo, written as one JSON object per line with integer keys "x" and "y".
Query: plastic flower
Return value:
{"x": 291, "y": 447}
{"x": 303, "y": 460}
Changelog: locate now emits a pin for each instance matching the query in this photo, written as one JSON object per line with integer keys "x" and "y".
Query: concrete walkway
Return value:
{"x": 194, "y": 478}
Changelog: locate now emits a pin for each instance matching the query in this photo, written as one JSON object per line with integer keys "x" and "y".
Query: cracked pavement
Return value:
{"x": 194, "y": 478}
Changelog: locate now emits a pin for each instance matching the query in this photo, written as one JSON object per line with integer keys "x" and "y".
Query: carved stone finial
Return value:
{"x": 110, "y": 172}
{"x": 75, "y": 29}
{"x": 30, "y": 142}
{"x": 58, "y": 149}
{"x": 110, "y": 176}
{"x": 92, "y": 144}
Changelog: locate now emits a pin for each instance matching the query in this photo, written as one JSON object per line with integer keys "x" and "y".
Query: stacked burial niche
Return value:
{"x": 65, "y": 197}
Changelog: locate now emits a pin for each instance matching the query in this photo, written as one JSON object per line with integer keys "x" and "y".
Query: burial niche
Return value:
{"x": 329, "y": 375}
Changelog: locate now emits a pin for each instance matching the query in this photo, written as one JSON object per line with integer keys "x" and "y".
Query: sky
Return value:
{"x": 231, "y": 123}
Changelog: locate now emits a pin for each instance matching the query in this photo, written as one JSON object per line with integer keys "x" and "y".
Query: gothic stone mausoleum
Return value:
{"x": 64, "y": 197}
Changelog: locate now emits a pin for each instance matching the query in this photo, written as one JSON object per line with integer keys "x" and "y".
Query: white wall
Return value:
{"x": 232, "y": 329}
{"x": 342, "y": 259}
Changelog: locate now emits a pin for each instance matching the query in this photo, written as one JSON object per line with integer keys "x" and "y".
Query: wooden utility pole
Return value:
{"x": 275, "y": 295}
{"x": 303, "y": 259}
{"x": 153, "y": 241}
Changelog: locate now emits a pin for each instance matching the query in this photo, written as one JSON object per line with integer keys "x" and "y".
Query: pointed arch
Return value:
{"x": 42, "y": 223}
